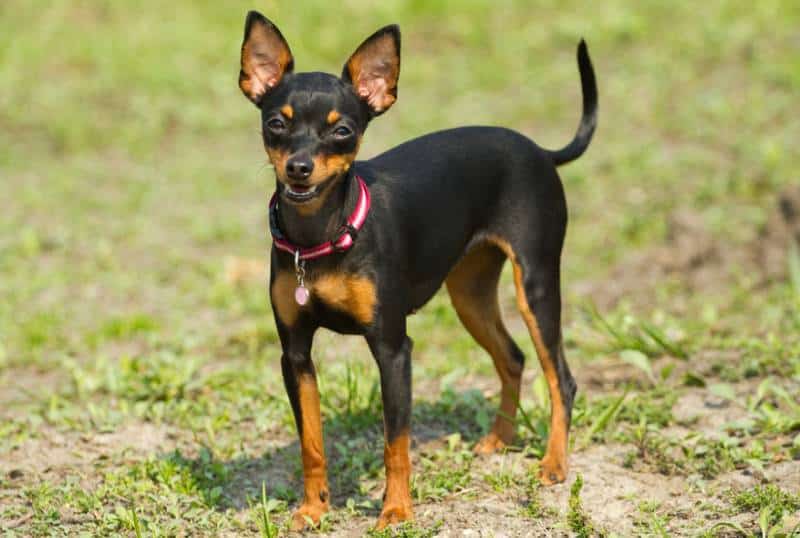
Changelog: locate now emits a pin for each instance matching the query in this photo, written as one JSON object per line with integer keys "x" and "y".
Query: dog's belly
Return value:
{"x": 422, "y": 293}
{"x": 432, "y": 263}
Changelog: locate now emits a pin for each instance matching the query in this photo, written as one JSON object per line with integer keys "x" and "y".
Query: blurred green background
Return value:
{"x": 131, "y": 169}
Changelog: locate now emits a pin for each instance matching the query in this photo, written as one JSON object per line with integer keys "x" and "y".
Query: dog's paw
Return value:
{"x": 552, "y": 470}
{"x": 489, "y": 444}
{"x": 394, "y": 513}
{"x": 308, "y": 515}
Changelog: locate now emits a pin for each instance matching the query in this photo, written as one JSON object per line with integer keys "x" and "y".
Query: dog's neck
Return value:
{"x": 325, "y": 223}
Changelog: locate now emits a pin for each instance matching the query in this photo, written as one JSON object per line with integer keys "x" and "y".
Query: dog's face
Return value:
{"x": 313, "y": 122}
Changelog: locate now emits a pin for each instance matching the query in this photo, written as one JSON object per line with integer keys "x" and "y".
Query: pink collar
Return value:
{"x": 345, "y": 240}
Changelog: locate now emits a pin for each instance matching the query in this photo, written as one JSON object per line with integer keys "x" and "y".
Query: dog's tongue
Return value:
{"x": 300, "y": 188}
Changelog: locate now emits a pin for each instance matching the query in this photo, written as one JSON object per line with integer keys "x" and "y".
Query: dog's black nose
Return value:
{"x": 299, "y": 167}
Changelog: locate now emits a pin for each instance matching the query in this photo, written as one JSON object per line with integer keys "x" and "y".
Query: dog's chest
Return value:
{"x": 349, "y": 294}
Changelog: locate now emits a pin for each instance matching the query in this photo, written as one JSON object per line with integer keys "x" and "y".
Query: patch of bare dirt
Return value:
{"x": 19, "y": 384}
{"x": 700, "y": 261}
{"x": 58, "y": 452}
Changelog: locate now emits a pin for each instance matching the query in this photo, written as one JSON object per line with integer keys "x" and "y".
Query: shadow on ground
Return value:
{"x": 354, "y": 448}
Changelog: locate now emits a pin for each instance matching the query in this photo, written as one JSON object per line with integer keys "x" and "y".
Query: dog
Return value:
{"x": 360, "y": 245}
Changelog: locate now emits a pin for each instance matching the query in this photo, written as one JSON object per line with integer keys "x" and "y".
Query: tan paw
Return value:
{"x": 552, "y": 471}
{"x": 308, "y": 515}
{"x": 392, "y": 514}
{"x": 489, "y": 444}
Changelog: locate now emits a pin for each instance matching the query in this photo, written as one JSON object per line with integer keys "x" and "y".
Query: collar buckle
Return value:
{"x": 345, "y": 229}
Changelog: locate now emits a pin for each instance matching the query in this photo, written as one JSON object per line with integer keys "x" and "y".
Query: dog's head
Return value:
{"x": 313, "y": 123}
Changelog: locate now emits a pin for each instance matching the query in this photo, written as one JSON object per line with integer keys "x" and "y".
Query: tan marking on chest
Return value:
{"x": 351, "y": 294}
{"x": 282, "y": 293}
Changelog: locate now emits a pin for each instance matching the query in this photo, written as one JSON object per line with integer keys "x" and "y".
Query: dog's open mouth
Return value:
{"x": 297, "y": 192}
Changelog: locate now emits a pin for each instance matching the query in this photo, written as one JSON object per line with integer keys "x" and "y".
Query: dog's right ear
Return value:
{"x": 266, "y": 57}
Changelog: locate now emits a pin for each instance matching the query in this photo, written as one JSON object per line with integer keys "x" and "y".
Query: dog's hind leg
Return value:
{"x": 538, "y": 284}
{"x": 472, "y": 285}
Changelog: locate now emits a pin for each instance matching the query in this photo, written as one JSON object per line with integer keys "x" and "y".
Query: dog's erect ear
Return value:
{"x": 266, "y": 57}
{"x": 374, "y": 68}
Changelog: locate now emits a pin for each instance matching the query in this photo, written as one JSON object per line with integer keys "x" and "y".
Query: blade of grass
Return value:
{"x": 763, "y": 521}
{"x": 606, "y": 418}
{"x": 137, "y": 527}
{"x": 525, "y": 419}
{"x": 638, "y": 359}
{"x": 661, "y": 339}
{"x": 268, "y": 530}
{"x": 730, "y": 525}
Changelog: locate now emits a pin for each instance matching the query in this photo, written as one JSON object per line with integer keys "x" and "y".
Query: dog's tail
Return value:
{"x": 575, "y": 149}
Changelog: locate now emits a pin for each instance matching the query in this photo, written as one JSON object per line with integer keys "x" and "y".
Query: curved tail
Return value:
{"x": 575, "y": 149}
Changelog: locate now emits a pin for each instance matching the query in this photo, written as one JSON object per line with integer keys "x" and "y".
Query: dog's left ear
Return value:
{"x": 266, "y": 57}
{"x": 374, "y": 68}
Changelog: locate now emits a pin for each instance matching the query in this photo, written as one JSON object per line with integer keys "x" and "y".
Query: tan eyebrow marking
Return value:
{"x": 287, "y": 111}
{"x": 333, "y": 116}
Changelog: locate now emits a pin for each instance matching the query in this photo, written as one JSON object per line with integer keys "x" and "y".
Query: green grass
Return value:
{"x": 140, "y": 389}
{"x": 769, "y": 496}
{"x": 579, "y": 522}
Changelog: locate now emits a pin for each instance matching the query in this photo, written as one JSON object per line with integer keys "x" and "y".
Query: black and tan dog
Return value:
{"x": 359, "y": 245}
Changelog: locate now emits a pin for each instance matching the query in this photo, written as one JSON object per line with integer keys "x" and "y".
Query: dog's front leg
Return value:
{"x": 300, "y": 379}
{"x": 392, "y": 351}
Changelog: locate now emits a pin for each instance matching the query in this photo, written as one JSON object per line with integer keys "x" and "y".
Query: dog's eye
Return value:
{"x": 342, "y": 132}
{"x": 276, "y": 125}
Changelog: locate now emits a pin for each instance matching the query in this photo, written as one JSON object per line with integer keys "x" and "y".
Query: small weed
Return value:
{"x": 263, "y": 515}
{"x": 204, "y": 476}
{"x": 629, "y": 334}
{"x": 534, "y": 424}
{"x": 122, "y": 328}
{"x": 577, "y": 519}
{"x": 45, "y": 503}
{"x": 499, "y": 481}
{"x": 444, "y": 472}
{"x": 653, "y": 450}
{"x": 770, "y": 496}
{"x": 533, "y": 508}
{"x": 407, "y": 530}
{"x": 770, "y": 525}
{"x": 352, "y": 394}
{"x": 137, "y": 527}
{"x": 776, "y": 410}
{"x": 650, "y": 520}
{"x": 605, "y": 418}
{"x": 710, "y": 457}
{"x": 723, "y": 525}
{"x": 325, "y": 522}
{"x": 654, "y": 405}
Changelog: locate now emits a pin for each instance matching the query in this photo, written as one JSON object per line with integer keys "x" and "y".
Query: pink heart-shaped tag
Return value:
{"x": 301, "y": 295}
